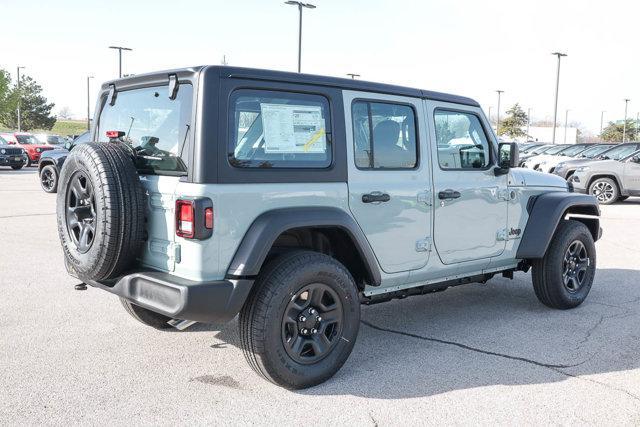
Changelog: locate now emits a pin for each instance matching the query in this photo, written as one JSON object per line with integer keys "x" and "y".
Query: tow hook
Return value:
{"x": 80, "y": 287}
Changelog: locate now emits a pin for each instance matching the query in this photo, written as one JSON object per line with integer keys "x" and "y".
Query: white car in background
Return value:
{"x": 55, "y": 140}
{"x": 550, "y": 158}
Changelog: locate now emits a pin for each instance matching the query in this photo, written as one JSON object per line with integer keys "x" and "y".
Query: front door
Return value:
{"x": 631, "y": 176}
{"x": 389, "y": 178}
{"x": 470, "y": 200}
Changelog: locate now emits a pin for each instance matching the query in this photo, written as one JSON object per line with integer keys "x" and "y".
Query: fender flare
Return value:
{"x": 266, "y": 228}
{"x": 545, "y": 213}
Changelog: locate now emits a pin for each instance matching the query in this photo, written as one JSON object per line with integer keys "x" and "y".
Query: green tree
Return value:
{"x": 5, "y": 87}
{"x": 614, "y": 130}
{"x": 34, "y": 109}
{"x": 512, "y": 125}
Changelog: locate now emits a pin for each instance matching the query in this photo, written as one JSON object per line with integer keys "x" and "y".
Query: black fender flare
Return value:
{"x": 266, "y": 228}
{"x": 545, "y": 213}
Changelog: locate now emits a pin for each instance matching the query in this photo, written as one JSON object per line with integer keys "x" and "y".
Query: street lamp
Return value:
{"x": 88, "y": 103}
{"x": 120, "y": 49}
{"x": 624, "y": 127}
{"x": 566, "y": 123}
{"x": 19, "y": 99}
{"x": 353, "y": 75}
{"x": 499, "y": 92}
{"x": 555, "y": 107}
{"x": 601, "y": 121}
{"x": 300, "y": 6}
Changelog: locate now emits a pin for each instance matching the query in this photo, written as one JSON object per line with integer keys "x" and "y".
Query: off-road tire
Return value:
{"x": 547, "y": 273}
{"x": 54, "y": 175}
{"x": 148, "y": 317}
{"x": 610, "y": 183}
{"x": 17, "y": 168}
{"x": 119, "y": 205}
{"x": 261, "y": 318}
{"x": 28, "y": 164}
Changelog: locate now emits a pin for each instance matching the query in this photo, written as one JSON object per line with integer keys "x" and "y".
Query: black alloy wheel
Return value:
{"x": 47, "y": 179}
{"x": 575, "y": 265}
{"x": 312, "y": 323}
{"x": 81, "y": 212}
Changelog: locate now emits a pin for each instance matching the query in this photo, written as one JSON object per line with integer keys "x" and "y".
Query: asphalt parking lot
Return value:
{"x": 480, "y": 354}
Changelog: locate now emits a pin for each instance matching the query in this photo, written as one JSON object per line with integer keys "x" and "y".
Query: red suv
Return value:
{"x": 31, "y": 145}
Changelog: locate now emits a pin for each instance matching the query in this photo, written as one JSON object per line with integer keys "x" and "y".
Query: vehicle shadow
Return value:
{"x": 481, "y": 335}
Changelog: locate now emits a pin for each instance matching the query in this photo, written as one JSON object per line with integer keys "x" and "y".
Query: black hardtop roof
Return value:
{"x": 302, "y": 78}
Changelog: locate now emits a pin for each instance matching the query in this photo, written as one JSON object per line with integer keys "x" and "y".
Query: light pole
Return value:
{"x": 499, "y": 92}
{"x": 19, "y": 100}
{"x": 120, "y": 49}
{"x": 635, "y": 134}
{"x": 624, "y": 126}
{"x": 88, "y": 103}
{"x": 528, "y": 121}
{"x": 566, "y": 123}
{"x": 300, "y": 6}
{"x": 601, "y": 121}
{"x": 353, "y": 75}
{"x": 555, "y": 107}
{"x": 490, "y": 115}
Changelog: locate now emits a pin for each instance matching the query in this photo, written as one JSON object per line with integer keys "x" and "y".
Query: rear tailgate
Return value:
{"x": 160, "y": 249}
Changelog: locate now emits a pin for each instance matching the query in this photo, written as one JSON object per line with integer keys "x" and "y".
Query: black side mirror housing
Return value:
{"x": 636, "y": 159}
{"x": 508, "y": 156}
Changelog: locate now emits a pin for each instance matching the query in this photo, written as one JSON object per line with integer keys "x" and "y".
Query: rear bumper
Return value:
{"x": 210, "y": 302}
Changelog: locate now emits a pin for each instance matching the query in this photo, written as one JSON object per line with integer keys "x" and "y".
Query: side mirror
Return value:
{"x": 509, "y": 155}
{"x": 636, "y": 159}
{"x": 68, "y": 145}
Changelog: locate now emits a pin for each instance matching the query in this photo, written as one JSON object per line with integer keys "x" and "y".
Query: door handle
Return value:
{"x": 375, "y": 197}
{"x": 448, "y": 194}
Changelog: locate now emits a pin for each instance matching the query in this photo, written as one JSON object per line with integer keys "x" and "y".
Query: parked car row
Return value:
{"x": 610, "y": 172}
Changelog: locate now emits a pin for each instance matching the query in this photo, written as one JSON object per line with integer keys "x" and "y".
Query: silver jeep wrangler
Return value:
{"x": 292, "y": 199}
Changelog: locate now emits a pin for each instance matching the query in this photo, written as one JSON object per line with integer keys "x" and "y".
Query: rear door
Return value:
{"x": 631, "y": 176}
{"x": 389, "y": 180}
{"x": 471, "y": 201}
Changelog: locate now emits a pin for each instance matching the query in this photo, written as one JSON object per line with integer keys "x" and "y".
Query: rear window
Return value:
{"x": 279, "y": 130}
{"x": 155, "y": 126}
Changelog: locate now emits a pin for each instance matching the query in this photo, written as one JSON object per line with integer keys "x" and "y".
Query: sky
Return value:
{"x": 465, "y": 47}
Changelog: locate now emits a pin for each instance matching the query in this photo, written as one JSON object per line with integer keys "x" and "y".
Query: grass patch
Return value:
{"x": 62, "y": 127}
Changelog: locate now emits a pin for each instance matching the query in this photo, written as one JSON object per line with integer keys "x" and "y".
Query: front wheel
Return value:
{"x": 563, "y": 278}
{"x": 49, "y": 179}
{"x": 300, "y": 324}
{"x": 605, "y": 190}
{"x": 17, "y": 167}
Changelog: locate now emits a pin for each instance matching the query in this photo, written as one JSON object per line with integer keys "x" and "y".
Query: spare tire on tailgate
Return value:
{"x": 100, "y": 211}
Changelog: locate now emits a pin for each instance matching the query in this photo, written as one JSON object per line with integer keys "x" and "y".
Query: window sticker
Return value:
{"x": 293, "y": 128}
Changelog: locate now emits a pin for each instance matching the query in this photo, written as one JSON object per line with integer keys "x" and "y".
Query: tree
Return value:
{"x": 512, "y": 125}
{"x": 64, "y": 113}
{"x": 5, "y": 85}
{"x": 34, "y": 109}
{"x": 614, "y": 130}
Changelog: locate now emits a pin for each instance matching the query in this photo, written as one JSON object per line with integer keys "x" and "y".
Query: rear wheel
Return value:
{"x": 148, "y": 317}
{"x": 49, "y": 179}
{"x": 300, "y": 323}
{"x": 563, "y": 277}
{"x": 605, "y": 190}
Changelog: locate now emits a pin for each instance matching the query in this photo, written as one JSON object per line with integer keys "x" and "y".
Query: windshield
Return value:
{"x": 590, "y": 153}
{"x": 27, "y": 139}
{"x": 618, "y": 153}
{"x": 154, "y": 125}
{"x": 572, "y": 150}
{"x": 540, "y": 149}
{"x": 55, "y": 139}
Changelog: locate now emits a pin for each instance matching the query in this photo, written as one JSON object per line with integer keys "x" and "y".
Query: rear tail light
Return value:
{"x": 113, "y": 134}
{"x": 185, "y": 215}
{"x": 194, "y": 218}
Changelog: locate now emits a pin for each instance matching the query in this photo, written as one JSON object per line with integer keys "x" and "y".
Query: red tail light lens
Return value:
{"x": 208, "y": 218}
{"x": 115, "y": 134}
{"x": 185, "y": 214}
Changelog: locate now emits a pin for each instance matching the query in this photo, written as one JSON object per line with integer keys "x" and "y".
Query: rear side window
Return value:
{"x": 384, "y": 135}
{"x": 462, "y": 143}
{"x": 155, "y": 126}
{"x": 271, "y": 129}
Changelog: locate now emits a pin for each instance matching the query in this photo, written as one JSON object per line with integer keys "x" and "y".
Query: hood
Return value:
{"x": 521, "y": 177}
{"x": 541, "y": 158}
{"x": 577, "y": 162}
{"x": 603, "y": 165}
